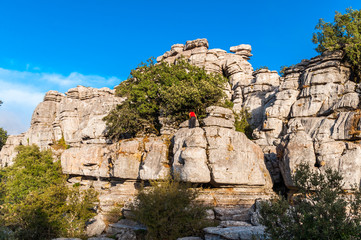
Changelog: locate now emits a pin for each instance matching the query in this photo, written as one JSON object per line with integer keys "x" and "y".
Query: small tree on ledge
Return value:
{"x": 343, "y": 34}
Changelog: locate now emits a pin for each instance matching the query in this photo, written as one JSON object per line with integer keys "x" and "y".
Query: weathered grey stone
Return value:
{"x": 196, "y": 43}
{"x": 87, "y": 161}
{"x": 218, "y": 122}
{"x": 236, "y": 233}
{"x": 220, "y": 112}
{"x": 126, "y": 228}
{"x": 230, "y": 153}
{"x": 350, "y": 166}
{"x": 126, "y": 234}
{"x": 349, "y": 101}
{"x": 266, "y": 77}
{"x": 231, "y": 223}
{"x": 241, "y": 47}
{"x": 231, "y": 214}
{"x": 66, "y": 239}
{"x": 96, "y": 226}
{"x": 242, "y": 50}
{"x": 346, "y": 126}
{"x": 254, "y": 213}
{"x": 329, "y": 153}
{"x": 155, "y": 164}
{"x": 190, "y": 158}
{"x": 100, "y": 238}
{"x": 189, "y": 238}
{"x": 298, "y": 149}
{"x": 305, "y": 107}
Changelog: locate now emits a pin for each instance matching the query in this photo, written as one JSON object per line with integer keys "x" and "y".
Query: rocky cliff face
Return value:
{"x": 311, "y": 114}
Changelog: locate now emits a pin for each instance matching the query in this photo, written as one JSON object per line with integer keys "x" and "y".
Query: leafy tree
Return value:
{"x": 36, "y": 203}
{"x": 344, "y": 34}
{"x": 162, "y": 89}
{"x": 169, "y": 210}
{"x": 319, "y": 210}
{"x": 3, "y": 137}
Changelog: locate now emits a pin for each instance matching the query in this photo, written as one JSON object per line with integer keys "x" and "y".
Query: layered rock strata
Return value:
{"x": 314, "y": 105}
{"x": 75, "y": 117}
{"x": 214, "y": 155}
{"x": 311, "y": 114}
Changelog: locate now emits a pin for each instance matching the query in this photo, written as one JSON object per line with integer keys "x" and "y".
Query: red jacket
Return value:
{"x": 192, "y": 114}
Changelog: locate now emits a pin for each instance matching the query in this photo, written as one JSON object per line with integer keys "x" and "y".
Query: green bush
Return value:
{"x": 261, "y": 67}
{"x": 36, "y": 203}
{"x": 3, "y": 137}
{"x": 344, "y": 34}
{"x": 319, "y": 210}
{"x": 162, "y": 89}
{"x": 241, "y": 123}
{"x": 169, "y": 210}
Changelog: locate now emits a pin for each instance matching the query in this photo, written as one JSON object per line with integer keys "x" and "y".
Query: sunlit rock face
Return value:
{"x": 75, "y": 116}
{"x": 316, "y": 95}
{"x": 310, "y": 114}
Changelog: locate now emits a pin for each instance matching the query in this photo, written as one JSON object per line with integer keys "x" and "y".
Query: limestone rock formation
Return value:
{"x": 311, "y": 114}
{"x": 315, "y": 95}
{"x": 75, "y": 117}
{"x": 217, "y": 153}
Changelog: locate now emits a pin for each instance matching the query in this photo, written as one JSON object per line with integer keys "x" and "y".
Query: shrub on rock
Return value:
{"x": 36, "y": 203}
{"x": 169, "y": 210}
{"x": 170, "y": 90}
{"x": 320, "y": 209}
{"x": 343, "y": 34}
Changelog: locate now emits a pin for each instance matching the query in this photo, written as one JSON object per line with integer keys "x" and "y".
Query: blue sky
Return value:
{"x": 59, "y": 44}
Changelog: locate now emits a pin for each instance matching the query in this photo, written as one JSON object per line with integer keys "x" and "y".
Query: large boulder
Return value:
{"x": 218, "y": 154}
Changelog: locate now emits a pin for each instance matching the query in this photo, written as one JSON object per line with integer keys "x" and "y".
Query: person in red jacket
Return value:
{"x": 192, "y": 120}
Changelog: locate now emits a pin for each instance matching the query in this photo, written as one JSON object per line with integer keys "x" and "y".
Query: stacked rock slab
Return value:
{"x": 315, "y": 96}
{"x": 311, "y": 114}
{"x": 116, "y": 168}
{"x": 75, "y": 117}
{"x": 223, "y": 157}
{"x": 314, "y": 118}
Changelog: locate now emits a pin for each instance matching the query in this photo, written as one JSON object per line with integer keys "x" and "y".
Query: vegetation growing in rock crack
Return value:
{"x": 36, "y": 203}
{"x": 241, "y": 123}
{"x": 261, "y": 67}
{"x": 169, "y": 210}
{"x": 3, "y": 137}
{"x": 170, "y": 90}
{"x": 343, "y": 34}
{"x": 320, "y": 209}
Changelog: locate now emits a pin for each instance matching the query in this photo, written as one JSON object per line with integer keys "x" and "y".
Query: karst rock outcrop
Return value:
{"x": 311, "y": 114}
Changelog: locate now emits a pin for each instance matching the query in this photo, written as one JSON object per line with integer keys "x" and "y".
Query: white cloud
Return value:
{"x": 15, "y": 93}
{"x": 75, "y": 78}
